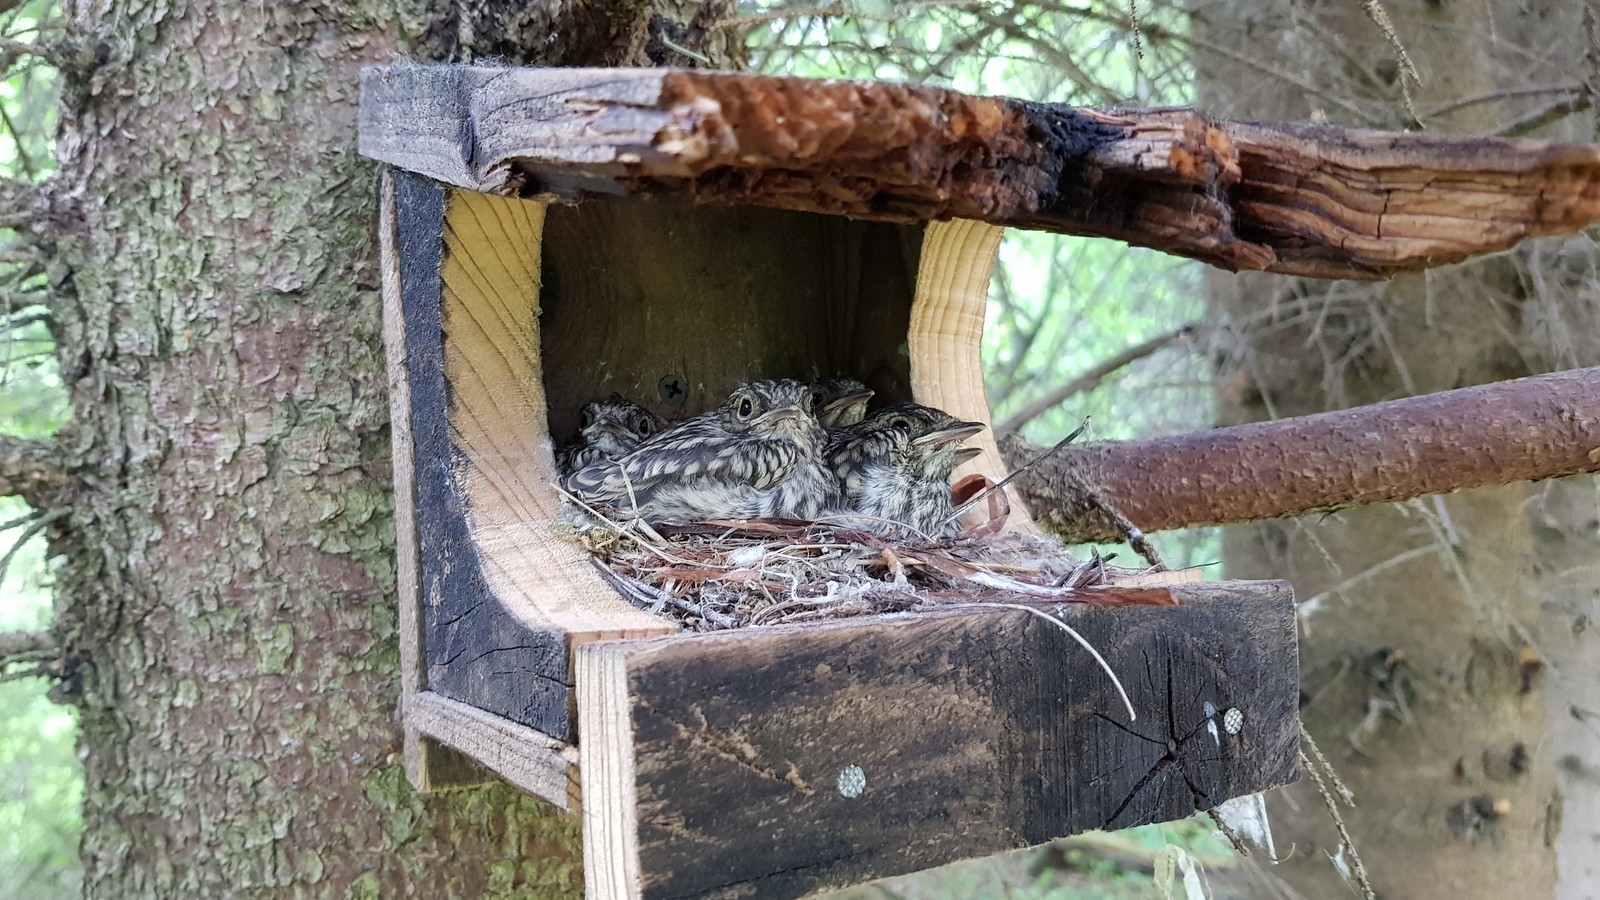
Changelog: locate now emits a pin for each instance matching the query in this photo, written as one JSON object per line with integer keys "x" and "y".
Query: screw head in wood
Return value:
{"x": 852, "y": 781}
{"x": 673, "y": 389}
{"x": 1233, "y": 720}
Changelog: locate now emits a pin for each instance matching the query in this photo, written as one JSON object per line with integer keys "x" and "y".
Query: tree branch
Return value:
{"x": 1528, "y": 429}
{"x": 1088, "y": 380}
{"x": 17, "y": 643}
{"x": 16, "y": 202}
{"x": 38, "y": 471}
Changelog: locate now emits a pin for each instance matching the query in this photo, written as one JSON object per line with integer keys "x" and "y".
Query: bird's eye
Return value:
{"x": 586, "y": 418}
{"x": 645, "y": 426}
{"x": 746, "y": 408}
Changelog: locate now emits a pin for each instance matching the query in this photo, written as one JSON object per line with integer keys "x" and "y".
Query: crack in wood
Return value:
{"x": 738, "y": 751}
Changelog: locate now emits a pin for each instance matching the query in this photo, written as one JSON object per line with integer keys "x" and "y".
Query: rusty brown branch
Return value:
{"x": 1523, "y": 430}
{"x": 1089, "y": 380}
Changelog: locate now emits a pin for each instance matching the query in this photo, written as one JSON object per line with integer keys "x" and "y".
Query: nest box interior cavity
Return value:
{"x": 551, "y": 236}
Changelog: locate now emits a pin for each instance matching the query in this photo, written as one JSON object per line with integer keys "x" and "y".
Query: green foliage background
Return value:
{"x": 41, "y": 786}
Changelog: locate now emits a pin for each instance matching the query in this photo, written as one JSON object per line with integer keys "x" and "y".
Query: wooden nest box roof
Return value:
{"x": 1299, "y": 199}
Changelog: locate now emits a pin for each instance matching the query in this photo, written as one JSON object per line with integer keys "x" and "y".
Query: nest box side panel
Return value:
{"x": 474, "y": 651}
{"x": 502, "y": 597}
{"x": 673, "y": 305}
{"x": 430, "y": 765}
{"x": 776, "y": 761}
{"x": 945, "y": 339}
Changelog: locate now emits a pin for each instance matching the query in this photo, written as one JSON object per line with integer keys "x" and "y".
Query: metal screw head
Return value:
{"x": 852, "y": 781}
{"x": 1233, "y": 720}
{"x": 672, "y": 389}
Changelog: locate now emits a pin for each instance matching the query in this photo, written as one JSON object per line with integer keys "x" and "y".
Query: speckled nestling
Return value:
{"x": 758, "y": 455}
{"x": 608, "y": 429}
{"x": 839, "y": 402}
{"x": 895, "y": 465}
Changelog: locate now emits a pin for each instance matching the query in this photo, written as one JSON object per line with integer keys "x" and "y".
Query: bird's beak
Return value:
{"x": 958, "y": 432}
{"x": 965, "y": 453}
{"x": 782, "y": 413}
{"x": 847, "y": 401}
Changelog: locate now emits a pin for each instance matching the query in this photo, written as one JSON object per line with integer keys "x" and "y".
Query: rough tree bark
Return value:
{"x": 226, "y": 591}
{"x": 1426, "y": 623}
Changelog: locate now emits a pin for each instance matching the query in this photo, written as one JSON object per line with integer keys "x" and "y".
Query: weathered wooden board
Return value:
{"x": 534, "y": 762}
{"x": 770, "y": 762}
{"x": 474, "y": 650}
{"x": 1298, "y": 199}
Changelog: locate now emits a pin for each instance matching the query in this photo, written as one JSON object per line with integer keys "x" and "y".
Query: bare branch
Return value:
{"x": 39, "y": 523}
{"x": 16, "y": 202}
{"x": 19, "y": 643}
{"x": 36, "y": 470}
{"x": 1089, "y": 380}
{"x": 1528, "y": 429}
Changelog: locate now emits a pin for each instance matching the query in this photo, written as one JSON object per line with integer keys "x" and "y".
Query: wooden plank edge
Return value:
{"x": 946, "y": 335}
{"x": 526, "y": 759}
{"x": 606, "y": 762}
{"x": 413, "y": 673}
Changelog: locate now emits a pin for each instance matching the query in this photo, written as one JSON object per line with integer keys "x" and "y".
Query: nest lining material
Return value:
{"x": 714, "y": 576}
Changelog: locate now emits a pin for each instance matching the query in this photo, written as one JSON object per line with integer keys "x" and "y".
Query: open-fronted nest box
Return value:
{"x": 552, "y": 236}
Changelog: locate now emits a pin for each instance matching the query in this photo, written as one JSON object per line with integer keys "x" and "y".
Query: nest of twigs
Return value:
{"x": 712, "y": 576}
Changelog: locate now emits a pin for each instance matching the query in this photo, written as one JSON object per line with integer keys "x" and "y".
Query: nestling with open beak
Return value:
{"x": 608, "y": 429}
{"x": 758, "y": 455}
{"x": 839, "y": 402}
{"x": 895, "y": 465}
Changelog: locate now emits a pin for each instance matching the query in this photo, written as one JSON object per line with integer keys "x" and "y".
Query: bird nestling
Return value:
{"x": 608, "y": 429}
{"x": 839, "y": 402}
{"x": 895, "y": 465}
{"x": 758, "y": 455}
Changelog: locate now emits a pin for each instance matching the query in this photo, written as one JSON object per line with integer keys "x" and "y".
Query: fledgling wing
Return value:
{"x": 698, "y": 450}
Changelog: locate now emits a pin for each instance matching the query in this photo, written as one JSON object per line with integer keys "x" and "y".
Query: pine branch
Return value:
{"x": 36, "y": 470}
{"x": 1528, "y": 429}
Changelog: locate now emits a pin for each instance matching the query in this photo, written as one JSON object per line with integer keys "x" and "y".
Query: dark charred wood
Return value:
{"x": 772, "y": 762}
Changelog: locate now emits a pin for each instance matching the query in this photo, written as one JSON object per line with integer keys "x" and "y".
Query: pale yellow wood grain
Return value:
{"x": 946, "y": 338}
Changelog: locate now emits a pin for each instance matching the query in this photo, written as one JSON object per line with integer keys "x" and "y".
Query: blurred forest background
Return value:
{"x": 1077, "y": 328}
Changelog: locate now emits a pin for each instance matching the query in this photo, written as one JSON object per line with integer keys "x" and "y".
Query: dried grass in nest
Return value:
{"x": 714, "y": 576}
{"x": 718, "y": 575}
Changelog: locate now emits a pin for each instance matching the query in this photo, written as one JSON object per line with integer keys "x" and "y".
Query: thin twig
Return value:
{"x": 1346, "y": 845}
{"x": 1090, "y": 380}
{"x": 38, "y": 525}
{"x": 1076, "y": 432}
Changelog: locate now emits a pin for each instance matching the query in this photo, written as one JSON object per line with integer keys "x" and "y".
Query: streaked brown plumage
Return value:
{"x": 839, "y": 402}
{"x": 759, "y": 454}
{"x": 896, "y": 465}
{"x": 608, "y": 429}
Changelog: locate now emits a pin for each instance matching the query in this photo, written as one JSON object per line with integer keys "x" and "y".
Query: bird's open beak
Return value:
{"x": 965, "y": 453}
{"x": 847, "y": 401}
{"x": 958, "y": 432}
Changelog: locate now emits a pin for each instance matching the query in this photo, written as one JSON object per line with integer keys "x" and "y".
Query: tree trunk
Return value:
{"x": 1426, "y": 624}
{"x": 227, "y": 587}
